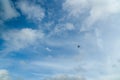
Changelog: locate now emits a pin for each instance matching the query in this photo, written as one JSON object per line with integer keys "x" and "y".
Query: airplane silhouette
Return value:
{"x": 78, "y": 46}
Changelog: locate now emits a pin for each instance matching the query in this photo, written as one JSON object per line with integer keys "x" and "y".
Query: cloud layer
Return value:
{"x": 4, "y": 75}
{"x": 19, "y": 39}
{"x": 8, "y": 10}
{"x": 31, "y": 10}
{"x": 65, "y": 77}
{"x": 92, "y": 24}
{"x": 97, "y": 10}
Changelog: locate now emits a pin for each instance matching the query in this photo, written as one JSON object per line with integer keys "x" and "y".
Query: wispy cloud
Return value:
{"x": 4, "y": 75}
{"x": 31, "y": 10}
{"x": 65, "y": 77}
{"x": 97, "y": 10}
{"x": 96, "y": 59}
{"x": 19, "y": 39}
{"x": 62, "y": 28}
{"x": 75, "y": 8}
{"x": 7, "y": 11}
{"x": 48, "y": 49}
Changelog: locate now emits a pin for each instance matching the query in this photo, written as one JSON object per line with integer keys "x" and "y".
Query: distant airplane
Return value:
{"x": 78, "y": 46}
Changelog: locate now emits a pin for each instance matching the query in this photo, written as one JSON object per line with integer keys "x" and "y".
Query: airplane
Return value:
{"x": 78, "y": 46}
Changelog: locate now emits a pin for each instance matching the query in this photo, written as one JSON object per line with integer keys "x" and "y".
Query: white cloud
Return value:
{"x": 110, "y": 77}
{"x": 19, "y": 39}
{"x": 4, "y": 75}
{"x": 65, "y": 77}
{"x": 48, "y": 49}
{"x": 99, "y": 39}
{"x": 31, "y": 10}
{"x": 62, "y": 28}
{"x": 56, "y": 65}
{"x": 76, "y": 7}
{"x": 69, "y": 26}
{"x": 98, "y": 9}
{"x": 8, "y": 10}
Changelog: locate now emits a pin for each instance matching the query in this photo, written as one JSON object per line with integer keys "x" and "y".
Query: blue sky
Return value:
{"x": 39, "y": 39}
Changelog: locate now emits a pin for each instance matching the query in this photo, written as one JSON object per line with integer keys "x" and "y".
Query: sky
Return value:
{"x": 39, "y": 39}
